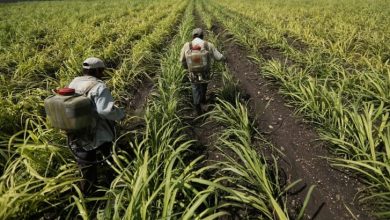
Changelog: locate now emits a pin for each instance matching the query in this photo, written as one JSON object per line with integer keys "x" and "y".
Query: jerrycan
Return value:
{"x": 69, "y": 111}
{"x": 198, "y": 59}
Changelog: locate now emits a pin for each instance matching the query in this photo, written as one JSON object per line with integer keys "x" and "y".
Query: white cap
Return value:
{"x": 93, "y": 63}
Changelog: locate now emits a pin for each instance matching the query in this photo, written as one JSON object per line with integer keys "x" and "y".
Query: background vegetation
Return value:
{"x": 331, "y": 59}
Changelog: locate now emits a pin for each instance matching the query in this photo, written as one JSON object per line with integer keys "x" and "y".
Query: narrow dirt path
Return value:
{"x": 203, "y": 129}
{"x": 137, "y": 102}
{"x": 303, "y": 154}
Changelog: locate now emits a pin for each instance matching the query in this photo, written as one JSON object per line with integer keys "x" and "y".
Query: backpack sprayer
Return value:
{"x": 73, "y": 113}
{"x": 198, "y": 62}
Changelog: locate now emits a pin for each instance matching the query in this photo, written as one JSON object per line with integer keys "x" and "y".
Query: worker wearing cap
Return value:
{"x": 102, "y": 133}
{"x": 199, "y": 87}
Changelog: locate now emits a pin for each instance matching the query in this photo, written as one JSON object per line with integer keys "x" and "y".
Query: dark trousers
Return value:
{"x": 199, "y": 93}
{"x": 87, "y": 163}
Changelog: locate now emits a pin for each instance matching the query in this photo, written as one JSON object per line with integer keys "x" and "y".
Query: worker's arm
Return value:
{"x": 216, "y": 54}
{"x": 105, "y": 105}
{"x": 182, "y": 57}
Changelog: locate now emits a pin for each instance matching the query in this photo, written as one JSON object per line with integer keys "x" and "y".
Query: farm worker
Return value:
{"x": 102, "y": 133}
{"x": 196, "y": 57}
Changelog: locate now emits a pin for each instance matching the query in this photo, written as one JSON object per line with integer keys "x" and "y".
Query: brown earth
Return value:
{"x": 140, "y": 92}
{"x": 304, "y": 156}
{"x": 296, "y": 43}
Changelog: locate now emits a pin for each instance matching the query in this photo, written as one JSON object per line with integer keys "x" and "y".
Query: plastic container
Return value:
{"x": 69, "y": 111}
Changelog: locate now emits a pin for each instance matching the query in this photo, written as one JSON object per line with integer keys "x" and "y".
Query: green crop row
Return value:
{"x": 251, "y": 179}
{"x": 38, "y": 176}
{"x": 161, "y": 181}
{"x": 337, "y": 78}
{"x": 115, "y": 43}
{"x": 356, "y": 33}
{"x": 158, "y": 182}
{"x": 157, "y": 174}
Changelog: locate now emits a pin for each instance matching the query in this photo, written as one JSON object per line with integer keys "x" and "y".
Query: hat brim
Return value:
{"x": 93, "y": 67}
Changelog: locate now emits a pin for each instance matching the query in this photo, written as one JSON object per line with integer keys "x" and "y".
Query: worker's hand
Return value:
{"x": 117, "y": 104}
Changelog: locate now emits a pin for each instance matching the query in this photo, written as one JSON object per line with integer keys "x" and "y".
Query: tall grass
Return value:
{"x": 250, "y": 178}
{"x": 157, "y": 183}
{"x": 39, "y": 178}
{"x": 30, "y": 75}
{"x": 334, "y": 70}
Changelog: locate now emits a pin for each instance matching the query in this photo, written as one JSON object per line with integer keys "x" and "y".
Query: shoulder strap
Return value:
{"x": 206, "y": 45}
{"x": 90, "y": 86}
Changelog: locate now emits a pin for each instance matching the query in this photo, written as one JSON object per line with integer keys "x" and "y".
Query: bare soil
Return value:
{"x": 137, "y": 102}
{"x": 304, "y": 155}
{"x": 295, "y": 42}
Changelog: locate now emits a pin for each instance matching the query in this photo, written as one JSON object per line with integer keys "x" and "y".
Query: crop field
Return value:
{"x": 297, "y": 123}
